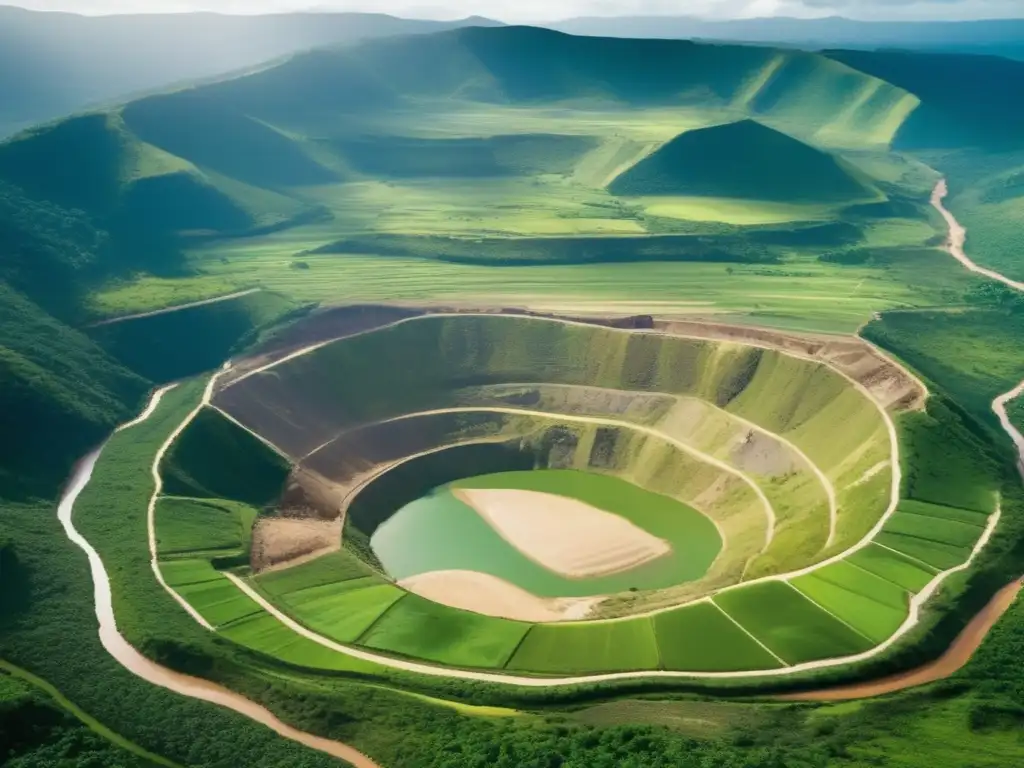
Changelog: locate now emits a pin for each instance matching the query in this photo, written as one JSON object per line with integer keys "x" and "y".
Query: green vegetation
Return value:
{"x": 331, "y": 568}
{"x": 792, "y": 625}
{"x": 175, "y": 345}
{"x": 702, "y": 638}
{"x": 193, "y": 525}
{"x": 744, "y": 160}
{"x": 344, "y": 612}
{"x": 171, "y": 198}
{"x": 218, "y": 601}
{"x": 30, "y": 717}
{"x": 417, "y": 627}
{"x": 868, "y": 616}
{"x": 214, "y": 458}
{"x": 611, "y": 646}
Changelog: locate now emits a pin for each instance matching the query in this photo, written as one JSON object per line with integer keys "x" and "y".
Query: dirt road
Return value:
{"x": 958, "y": 236}
{"x": 178, "y": 308}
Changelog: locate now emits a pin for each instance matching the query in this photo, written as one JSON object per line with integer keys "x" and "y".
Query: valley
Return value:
{"x": 631, "y": 401}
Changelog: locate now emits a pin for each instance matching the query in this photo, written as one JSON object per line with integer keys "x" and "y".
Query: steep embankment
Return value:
{"x": 966, "y": 101}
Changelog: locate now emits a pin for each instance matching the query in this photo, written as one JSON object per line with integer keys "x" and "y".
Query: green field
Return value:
{"x": 331, "y": 568}
{"x": 193, "y": 525}
{"x": 219, "y": 601}
{"x": 790, "y": 624}
{"x": 892, "y": 566}
{"x": 420, "y": 628}
{"x": 702, "y": 638}
{"x": 613, "y": 646}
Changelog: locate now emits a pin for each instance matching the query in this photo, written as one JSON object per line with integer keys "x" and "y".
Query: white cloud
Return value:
{"x": 527, "y": 10}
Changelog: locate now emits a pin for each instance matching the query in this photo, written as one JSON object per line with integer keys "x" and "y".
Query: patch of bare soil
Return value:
{"x": 564, "y": 535}
{"x": 492, "y": 596}
{"x": 761, "y": 454}
{"x": 280, "y": 542}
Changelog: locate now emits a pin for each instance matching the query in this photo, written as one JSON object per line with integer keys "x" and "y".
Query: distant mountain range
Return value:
{"x": 1002, "y": 37}
{"x": 55, "y": 64}
{"x": 52, "y": 64}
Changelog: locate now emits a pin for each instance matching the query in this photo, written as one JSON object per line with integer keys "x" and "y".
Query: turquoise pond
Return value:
{"x": 439, "y": 532}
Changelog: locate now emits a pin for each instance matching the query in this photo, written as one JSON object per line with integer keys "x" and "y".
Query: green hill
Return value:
{"x": 61, "y": 394}
{"x": 743, "y": 160}
{"x": 521, "y": 65}
{"x": 975, "y": 101}
{"x": 291, "y": 142}
{"x": 55, "y": 63}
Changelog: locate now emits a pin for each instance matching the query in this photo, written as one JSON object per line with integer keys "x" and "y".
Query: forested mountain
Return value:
{"x": 1001, "y": 37}
{"x": 52, "y": 64}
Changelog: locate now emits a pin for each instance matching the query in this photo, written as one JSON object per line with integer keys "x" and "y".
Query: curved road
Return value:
{"x": 176, "y": 308}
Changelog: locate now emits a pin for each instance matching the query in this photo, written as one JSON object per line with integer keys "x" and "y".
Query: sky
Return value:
{"x": 548, "y": 10}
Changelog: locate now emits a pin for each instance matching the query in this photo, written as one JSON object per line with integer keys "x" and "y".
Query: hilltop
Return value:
{"x": 745, "y": 160}
{"x": 1004, "y": 37}
{"x": 66, "y": 62}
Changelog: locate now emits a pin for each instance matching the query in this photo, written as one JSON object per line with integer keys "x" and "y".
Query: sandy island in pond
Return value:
{"x": 491, "y": 596}
{"x": 564, "y": 535}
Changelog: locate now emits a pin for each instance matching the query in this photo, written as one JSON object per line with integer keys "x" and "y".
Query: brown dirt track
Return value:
{"x": 958, "y": 654}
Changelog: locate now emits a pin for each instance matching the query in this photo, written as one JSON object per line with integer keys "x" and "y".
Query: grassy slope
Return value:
{"x": 191, "y": 525}
{"x": 183, "y": 343}
{"x": 213, "y": 458}
{"x": 61, "y": 392}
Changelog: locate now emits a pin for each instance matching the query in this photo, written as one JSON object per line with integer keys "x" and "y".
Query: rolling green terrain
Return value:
{"x": 496, "y": 168}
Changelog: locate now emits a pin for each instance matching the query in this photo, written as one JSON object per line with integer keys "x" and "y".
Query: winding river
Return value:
{"x": 154, "y": 673}
{"x": 196, "y": 688}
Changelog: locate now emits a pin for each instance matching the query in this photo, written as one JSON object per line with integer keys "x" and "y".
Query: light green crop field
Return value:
{"x": 933, "y": 553}
{"x": 330, "y": 568}
{"x": 790, "y": 624}
{"x": 612, "y": 646}
{"x": 343, "y": 612}
{"x": 934, "y": 529}
{"x": 263, "y": 633}
{"x": 847, "y": 575}
{"x": 180, "y": 572}
{"x": 417, "y": 627}
{"x": 923, "y": 508}
{"x": 868, "y": 616}
{"x": 219, "y": 601}
{"x": 194, "y": 525}
{"x": 892, "y": 566}
{"x": 702, "y": 638}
